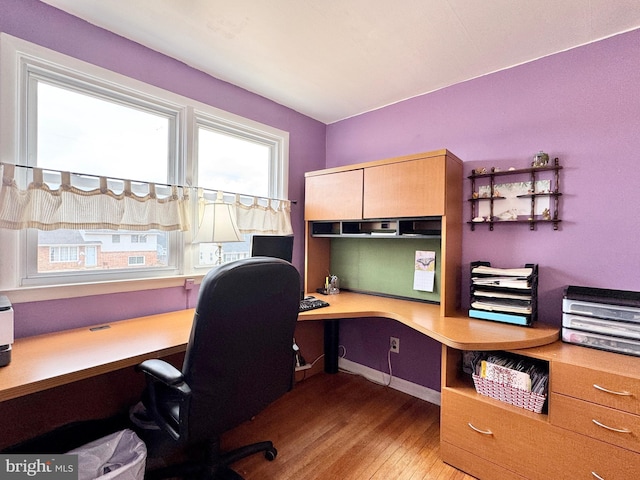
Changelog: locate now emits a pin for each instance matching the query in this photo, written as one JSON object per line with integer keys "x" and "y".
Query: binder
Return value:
{"x": 508, "y": 295}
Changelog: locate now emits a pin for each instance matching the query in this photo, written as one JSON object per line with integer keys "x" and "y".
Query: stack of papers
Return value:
{"x": 506, "y": 272}
{"x": 514, "y": 372}
{"x": 505, "y": 376}
{"x": 503, "y": 294}
{"x": 502, "y": 277}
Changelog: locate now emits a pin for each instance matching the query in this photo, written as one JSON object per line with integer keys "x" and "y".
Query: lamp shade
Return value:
{"x": 217, "y": 223}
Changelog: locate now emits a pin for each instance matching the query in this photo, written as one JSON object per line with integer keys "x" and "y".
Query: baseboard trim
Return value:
{"x": 376, "y": 376}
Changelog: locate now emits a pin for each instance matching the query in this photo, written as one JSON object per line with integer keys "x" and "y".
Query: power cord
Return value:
{"x": 304, "y": 372}
{"x": 344, "y": 355}
{"x": 383, "y": 383}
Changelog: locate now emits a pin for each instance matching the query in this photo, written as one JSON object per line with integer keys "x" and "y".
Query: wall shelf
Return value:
{"x": 494, "y": 197}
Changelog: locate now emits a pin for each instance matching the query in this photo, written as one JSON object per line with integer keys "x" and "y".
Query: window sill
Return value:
{"x": 54, "y": 292}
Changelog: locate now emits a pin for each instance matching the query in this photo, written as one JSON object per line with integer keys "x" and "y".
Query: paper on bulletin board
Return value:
{"x": 425, "y": 271}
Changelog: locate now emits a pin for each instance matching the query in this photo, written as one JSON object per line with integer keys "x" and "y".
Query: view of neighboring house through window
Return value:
{"x": 81, "y": 132}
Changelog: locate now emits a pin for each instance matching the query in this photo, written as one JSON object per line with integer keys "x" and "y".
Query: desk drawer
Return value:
{"x": 474, "y": 465}
{"x": 580, "y": 416}
{"x": 507, "y": 437}
{"x": 615, "y": 391}
{"x": 571, "y": 456}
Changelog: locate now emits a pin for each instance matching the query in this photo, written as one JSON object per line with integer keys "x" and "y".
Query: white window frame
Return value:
{"x": 16, "y": 58}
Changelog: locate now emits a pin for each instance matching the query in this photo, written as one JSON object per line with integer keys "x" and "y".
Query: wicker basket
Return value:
{"x": 514, "y": 396}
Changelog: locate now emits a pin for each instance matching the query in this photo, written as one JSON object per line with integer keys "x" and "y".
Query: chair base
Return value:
{"x": 215, "y": 466}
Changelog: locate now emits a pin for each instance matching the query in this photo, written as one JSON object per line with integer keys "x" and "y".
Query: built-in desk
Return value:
{"x": 459, "y": 332}
{"x": 46, "y": 361}
{"x": 50, "y": 360}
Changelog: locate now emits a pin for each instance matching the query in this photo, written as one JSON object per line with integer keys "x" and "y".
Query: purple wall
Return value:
{"x": 582, "y": 106}
{"x": 39, "y": 23}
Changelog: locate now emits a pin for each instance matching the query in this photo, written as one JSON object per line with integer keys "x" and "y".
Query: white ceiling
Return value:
{"x": 333, "y": 59}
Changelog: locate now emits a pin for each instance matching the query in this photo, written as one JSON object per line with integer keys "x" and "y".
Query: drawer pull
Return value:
{"x": 618, "y": 430}
{"x": 595, "y": 475}
{"x": 476, "y": 429}
{"x": 612, "y": 392}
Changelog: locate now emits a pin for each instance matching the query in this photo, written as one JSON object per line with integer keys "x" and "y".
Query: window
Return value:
{"x": 126, "y": 137}
{"x": 64, "y": 114}
{"x": 63, "y": 254}
{"x": 137, "y": 260}
{"x": 234, "y": 159}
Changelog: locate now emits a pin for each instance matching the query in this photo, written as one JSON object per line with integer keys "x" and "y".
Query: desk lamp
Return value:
{"x": 217, "y": 225}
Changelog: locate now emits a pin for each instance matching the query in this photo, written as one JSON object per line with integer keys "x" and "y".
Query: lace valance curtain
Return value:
{"x": 75, "y": 203}
{"x": 266, "y": 216}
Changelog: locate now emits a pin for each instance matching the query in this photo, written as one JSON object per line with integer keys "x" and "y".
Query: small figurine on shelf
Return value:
{"x": 546, "y": 214}
{"x": 540, "y": 159}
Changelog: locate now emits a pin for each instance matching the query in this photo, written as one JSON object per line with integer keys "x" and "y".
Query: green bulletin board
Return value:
{"x": 383, "y": 265}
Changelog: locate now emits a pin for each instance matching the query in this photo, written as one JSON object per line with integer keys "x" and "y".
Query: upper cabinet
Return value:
{"x": 412, "y": 186}
{"x": 336, "y": 195}
{"x": 417, "y": 198}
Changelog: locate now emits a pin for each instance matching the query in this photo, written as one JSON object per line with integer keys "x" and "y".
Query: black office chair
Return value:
{"x": 239, "y": 360}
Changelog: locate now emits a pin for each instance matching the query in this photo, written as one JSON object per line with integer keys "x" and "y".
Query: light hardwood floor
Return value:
{"x": 343, "y": 427}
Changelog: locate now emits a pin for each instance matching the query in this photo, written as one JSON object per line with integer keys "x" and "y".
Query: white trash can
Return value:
{"x": 119, "y": 456}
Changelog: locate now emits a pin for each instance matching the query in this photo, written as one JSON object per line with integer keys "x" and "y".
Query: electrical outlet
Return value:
{"x": 394, "y": 344}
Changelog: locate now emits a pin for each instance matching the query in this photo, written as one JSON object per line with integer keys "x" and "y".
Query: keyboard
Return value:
{"x": 311, "y": 303}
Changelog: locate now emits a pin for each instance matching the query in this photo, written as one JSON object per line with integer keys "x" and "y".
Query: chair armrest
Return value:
{"x": 162, "y": 371}
{"x": 166, "y": 389}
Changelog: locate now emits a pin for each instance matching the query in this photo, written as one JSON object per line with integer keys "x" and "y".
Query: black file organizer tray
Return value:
{"x": 497, "y": 314}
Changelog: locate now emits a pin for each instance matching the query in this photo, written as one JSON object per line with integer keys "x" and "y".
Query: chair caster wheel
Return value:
{"x": 271, "y": 454}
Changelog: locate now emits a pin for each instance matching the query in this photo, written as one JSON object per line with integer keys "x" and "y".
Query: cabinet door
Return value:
{"x": 406, "y": 189}
{"x": 334, "y": 196}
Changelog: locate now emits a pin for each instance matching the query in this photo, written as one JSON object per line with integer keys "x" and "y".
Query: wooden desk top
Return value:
{"x": 459, "y": 332}
{"x": 53, "y": 359}
{"x": 50, "y": 360}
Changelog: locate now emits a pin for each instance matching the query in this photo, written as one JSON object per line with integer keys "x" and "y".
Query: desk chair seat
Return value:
{"x": 239, "y": 359}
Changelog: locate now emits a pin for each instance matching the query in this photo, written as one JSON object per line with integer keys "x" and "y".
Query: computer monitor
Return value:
{"x": 278, "y": 246}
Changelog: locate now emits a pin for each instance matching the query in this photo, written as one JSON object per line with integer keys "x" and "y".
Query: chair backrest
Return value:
{"x": 240, "y": 353}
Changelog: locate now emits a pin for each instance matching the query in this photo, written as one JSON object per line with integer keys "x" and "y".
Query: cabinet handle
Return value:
{"x": 476, "y": 429}
{"x": 618, "y": 430}
{"x": 595, "y": 475}
{"x": 623, "y": 393}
